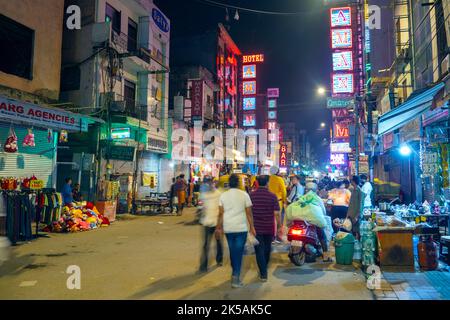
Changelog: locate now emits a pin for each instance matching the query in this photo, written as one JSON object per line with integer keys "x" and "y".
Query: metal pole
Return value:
{"x": 356, "y": 140}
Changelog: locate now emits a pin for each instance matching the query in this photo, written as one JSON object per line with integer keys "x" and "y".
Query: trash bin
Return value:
{"x": 344, "y": 249}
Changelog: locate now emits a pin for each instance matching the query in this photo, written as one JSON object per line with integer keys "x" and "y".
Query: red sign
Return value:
{"x": 340, "y": 113}
{"x": 283, "y": 155}
{"x": 273, "y": 92}
{"x": 341, "y": 130}
{"x": 252, "y": 58}
{"x": 197, "y": 99}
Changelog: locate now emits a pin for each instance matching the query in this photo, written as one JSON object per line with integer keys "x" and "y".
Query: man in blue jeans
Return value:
{"x": 235, "y": 211}
{"x": 266, "y": 210}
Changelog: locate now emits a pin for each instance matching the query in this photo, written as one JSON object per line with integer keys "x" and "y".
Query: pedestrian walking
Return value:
{"x": 181, "y": 187}
{"x": 172, "y": 193}
{"x": 278, "y": 187}
{"x": 266, "y": 210}
{"x": 235, "y": 220}
{"x": 297, "y": 190}
{"x": 209, "y": 217}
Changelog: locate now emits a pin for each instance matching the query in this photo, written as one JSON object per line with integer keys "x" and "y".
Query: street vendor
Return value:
{"x": 355, "y": 207}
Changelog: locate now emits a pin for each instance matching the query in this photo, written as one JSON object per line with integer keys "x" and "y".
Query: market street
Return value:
{"x": 156, "y": 258}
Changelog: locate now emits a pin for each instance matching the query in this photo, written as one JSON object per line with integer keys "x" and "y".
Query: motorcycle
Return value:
{"x": 304, "y": 243}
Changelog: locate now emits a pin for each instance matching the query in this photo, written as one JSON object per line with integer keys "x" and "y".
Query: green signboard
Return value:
{"x": 335, "y": 103}
{"x": 120, "y": 153}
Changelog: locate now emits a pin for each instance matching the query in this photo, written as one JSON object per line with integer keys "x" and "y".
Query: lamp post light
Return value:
{"x": 321, "y": 91}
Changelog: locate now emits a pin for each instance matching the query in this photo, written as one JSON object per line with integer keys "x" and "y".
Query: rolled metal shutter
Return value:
{"x": 28, "y": 161}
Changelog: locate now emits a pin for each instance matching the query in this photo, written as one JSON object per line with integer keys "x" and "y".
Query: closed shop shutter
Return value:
{"x": 27, "y": 161}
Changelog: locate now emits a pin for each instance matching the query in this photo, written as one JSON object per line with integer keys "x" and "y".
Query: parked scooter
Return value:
{"x": 304, "y": 243}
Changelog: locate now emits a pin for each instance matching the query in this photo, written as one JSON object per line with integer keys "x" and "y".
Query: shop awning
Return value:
{"x": 412, "y": 108}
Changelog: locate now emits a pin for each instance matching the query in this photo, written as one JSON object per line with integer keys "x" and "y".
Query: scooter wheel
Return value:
{"x": 298, "y": 259}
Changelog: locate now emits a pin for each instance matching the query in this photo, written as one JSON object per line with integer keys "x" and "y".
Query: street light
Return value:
{"x": 405, "y": 150}
{"x": 322, "y": 125}
{"x": 321, "y": 91}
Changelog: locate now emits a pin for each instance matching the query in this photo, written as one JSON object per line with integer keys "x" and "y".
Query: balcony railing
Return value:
{"x": 128, "y": 106}
{"x": 128, "y": 45}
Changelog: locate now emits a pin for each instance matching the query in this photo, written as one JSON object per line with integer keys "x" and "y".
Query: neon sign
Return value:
{"x": 249, "y": 87}
{"x": 342, "y": 61}
{"x": 249, "y": 103}
{"x": 253, "y": 58}
{"x": 272, "y": 103}
{"x": 283, "y": 156}
{"x": 273, "y": 93}
{"x": 272, "y": 125}
{"x": 338, "y": 159}
{"x": 341, "y": 38}
{"x": 341, "y": 17}
{"x": 340, "y": 147}
{"x": 249, "y": 71}
{"x": 272, "y": 115}
{"x": 343, "y": 83}
{"x": 341, "y": 130}
{"x": 249, "y": 120}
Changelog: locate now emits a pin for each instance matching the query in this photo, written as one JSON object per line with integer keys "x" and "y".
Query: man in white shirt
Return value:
{"x": 367, "y": 189}
{"x": 235, "y": 220}
{"x": 297, "y": 190}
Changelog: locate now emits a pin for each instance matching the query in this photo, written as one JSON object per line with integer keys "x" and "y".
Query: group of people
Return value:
{"x": 186, "y": 193}
{"x": 71, "y": 193}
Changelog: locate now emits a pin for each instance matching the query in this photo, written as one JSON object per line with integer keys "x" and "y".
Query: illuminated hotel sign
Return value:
{"x": 249, "y": 87}
{"x": 341, "y": 17}
{"x": 272, "y": 103}
{"x": 252, "y": 58}
{"x": 249, "y": 103}
{"x": 341, "y": 38}
{"x": 338, "y": 159}
{"x": 249, "y": 71}
{"x": 343, "y": 83}
{"x": 342, "y": 61}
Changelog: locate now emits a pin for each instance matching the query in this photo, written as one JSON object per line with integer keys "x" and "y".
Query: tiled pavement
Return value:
{"x": 428, "y": 285}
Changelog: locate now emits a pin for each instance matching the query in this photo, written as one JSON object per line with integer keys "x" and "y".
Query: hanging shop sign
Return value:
{"x": 35, "y": 115}
{"x": 249, "y": 120}
{"x": 272, "y": 103}
{"x": 343, "y": 83}
{"x": 160, "y": 20}
{"x": 273, "y": 92}
{"x": 150, "y": 179}
{"x": 197, "y": 100}
{"x": 430, "y": 163}
{"x": 341, "y": 130}
{"x": 342, "y": 61}
{"x": 341, "y": 17}
{"x": 249, "y": 87}
{"x": 249, "y": 71}
{"x": 120, "y": 133}
{"x": 252, "y": 58}
{"x": 340, "y": 147}
{"x": 249, "y": 103}
{"x": 340, "y": 113}
{"x": 337, "y": 103}
{"x": 338, "y": 159}
{"x": 341, "y": 39}
{"x": 283, "y": 155}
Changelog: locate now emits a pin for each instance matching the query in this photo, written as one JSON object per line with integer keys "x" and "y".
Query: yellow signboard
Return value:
{"x": 36, "y": 184}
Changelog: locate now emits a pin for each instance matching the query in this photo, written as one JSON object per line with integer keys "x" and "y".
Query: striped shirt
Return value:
{"x": 265, "y": 203}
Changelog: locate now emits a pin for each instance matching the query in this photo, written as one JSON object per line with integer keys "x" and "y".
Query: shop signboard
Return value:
{"x": 338, "y": 159}
{"x": 340, "y": 103}
{"x": 36, "y": 184}
{"x": 197, "y": 100}
{"x": 249, "y": 71}
{"x": 341, "y": 38}
{"x": 160, "y": 20}
{"x": 343, "y": 83}
{"x": 341, "y": 130}
{"x": 15, "y": 110}
{"x": 252, "y": 58}
{"x": 430, "y": 163}
{"x": 340, "y": 113}
{"x": 341, "y": 17}
{"x": 273, "y": 92}
{"x": 340, "y": 147}
{"x": 120, "y": 133}
{"x": 121, "y": 153}
{"x": 157, "y": 145}
{"x": 283, "y": 155}
{"x": 342, "y": 61}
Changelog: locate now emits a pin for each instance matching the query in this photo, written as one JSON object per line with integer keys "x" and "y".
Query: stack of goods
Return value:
{"x": 308, "y": 208}
{"x": 75, "y": 219}
{"x": 368, "y": 243}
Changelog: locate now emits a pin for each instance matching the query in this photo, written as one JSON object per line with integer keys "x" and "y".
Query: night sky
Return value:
{"x": 296, "y": 49}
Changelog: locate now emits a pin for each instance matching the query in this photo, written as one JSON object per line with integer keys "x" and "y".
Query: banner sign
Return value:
{"x": 197, "y": 99}
{"x": 333, "y": 103}
{"x": 38, "y": 116}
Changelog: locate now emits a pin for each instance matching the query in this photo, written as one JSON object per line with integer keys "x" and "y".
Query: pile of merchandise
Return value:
{"x": 79, "y": 218}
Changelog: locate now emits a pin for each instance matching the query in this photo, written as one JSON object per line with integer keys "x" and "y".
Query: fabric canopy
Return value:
{"x": 408, "y": 111}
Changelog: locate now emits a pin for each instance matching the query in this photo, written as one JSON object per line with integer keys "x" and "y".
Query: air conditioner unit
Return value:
{"x": 445, "y": 65}
{"x": 118, "y": 106}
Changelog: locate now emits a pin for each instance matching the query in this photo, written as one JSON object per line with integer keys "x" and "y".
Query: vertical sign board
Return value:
{"x": 341, "y": 17}
{"x": 197, "y": 99}
{"x": 343, "y": 83}
{"x": 342, "y": 61}
{"x": 249, "y": 71}
{"x": 283, "y": 156}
